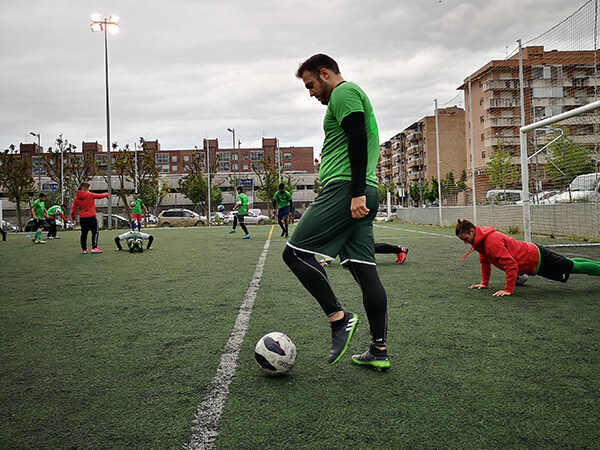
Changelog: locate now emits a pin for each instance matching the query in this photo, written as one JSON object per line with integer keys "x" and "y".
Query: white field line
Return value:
{"x": 208, "y": 416}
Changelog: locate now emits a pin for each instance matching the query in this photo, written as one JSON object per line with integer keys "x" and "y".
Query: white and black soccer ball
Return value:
{"x": 275, "y": 353}
{"x": 132, "y": 203}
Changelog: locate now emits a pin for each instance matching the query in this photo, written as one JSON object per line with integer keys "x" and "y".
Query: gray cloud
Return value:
{"x": 185, "y": 70}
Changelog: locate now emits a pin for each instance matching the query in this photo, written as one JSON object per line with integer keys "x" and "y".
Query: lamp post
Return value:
{"x": 39, "y": 172}
{"x": 110, "y": 25}
{"x": 232, "y": 130}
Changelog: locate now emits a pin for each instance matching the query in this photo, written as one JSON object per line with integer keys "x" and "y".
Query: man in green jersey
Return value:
{"x": 340, "y": 220}
{"x": 136, "y": 212}
{"x": 54, "y": 212}
{"x": 241, "y": 206}
{"x": 38, "y": 212}
{"x": 282, "y": 206}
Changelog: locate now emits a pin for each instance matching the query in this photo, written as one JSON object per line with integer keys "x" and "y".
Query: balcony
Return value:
{"x": 500, "y": 84}
{"x": 506, "y": 140}
{"x": 561, "y": 101}
{"x": 502, "y": 122}
{"x": 501, "y": 102}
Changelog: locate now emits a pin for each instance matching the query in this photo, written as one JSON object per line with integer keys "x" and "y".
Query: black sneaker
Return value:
{"x": 282, "y": 233}
{"x": 380, "y": 363}
{"x": 340, "y": 337}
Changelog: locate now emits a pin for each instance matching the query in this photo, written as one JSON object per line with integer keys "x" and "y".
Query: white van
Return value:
{"x": 503, "y": 196}
{"x": 584, "y": 188}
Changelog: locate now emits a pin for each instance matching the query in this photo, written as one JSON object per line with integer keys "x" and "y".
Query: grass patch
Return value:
{"x": 117, "y": 350}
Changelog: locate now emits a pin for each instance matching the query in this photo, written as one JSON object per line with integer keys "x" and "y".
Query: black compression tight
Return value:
{"x": 314, "y": 279}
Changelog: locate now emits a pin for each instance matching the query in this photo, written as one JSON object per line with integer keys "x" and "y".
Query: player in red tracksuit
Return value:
{"x": 84, "y": 201}
{"x": 517, "y": 258}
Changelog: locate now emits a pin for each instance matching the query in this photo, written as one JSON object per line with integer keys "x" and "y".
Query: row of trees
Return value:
{"x": 129, "y": 167}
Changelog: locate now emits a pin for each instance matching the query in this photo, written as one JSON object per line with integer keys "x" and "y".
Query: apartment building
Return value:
{"x": 411, "y": 155}
{"x": 554, "y": 82}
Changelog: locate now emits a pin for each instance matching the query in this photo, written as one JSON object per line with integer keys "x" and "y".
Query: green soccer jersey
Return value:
{"x": 282, "y": 199}
{"x": 54, "y": 211}
{"x": 242, "y": 199}
{"x": 345, "y": 99}
{"x": 38, "y": 209}
{"x": 137, "y": 209}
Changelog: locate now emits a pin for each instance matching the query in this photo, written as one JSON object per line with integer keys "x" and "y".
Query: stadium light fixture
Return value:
{"x": 108, "y": 25}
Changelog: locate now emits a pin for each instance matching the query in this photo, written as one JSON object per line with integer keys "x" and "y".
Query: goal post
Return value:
{"x": 525, "y": 157}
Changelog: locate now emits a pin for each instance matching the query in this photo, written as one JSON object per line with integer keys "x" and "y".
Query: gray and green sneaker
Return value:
{"x": 380, "y": 363}
{"x": 341, "y": 335}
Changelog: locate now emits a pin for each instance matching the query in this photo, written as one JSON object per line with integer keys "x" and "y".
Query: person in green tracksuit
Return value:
{"x": 38, "y": 212}
{"x": 134, "y": 241}
{"x": 241, "y": 206}
{"x": 282, "y": 205}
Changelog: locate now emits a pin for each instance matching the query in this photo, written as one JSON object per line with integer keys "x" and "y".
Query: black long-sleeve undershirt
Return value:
{"x": 354, "y": 127}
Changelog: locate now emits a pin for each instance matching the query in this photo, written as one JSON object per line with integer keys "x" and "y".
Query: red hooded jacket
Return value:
{"x": 513, "y": 257}
{"x": 85, "y": 202}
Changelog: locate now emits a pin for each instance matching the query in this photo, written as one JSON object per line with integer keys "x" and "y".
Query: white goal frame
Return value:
{"x": 525, "y": 159}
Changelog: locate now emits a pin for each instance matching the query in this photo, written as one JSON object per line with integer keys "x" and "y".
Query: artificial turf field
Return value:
{"x": 118, "y": 350}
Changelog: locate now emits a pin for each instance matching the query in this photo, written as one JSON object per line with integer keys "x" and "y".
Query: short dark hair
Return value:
{"x": 317, "y": 62}
{"x": 463, "y": 226}
{"x": 239, "y": 188}
{"x": 42, "y": 195}
{"x": 84, "y": 186}
{"x": 281, "y": 186}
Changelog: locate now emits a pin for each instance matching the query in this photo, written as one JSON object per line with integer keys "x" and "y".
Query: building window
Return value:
{"x": 481, "y": 119}
{"x": 174, "y": 158}
{"x": 101, "y": 159}
{"x": 223, "y": 156}
{"x": 164, "y": 168}
{"x": 537, "y": 73}
{"x": 234, "y": 166}
{"x": 246, "y": 166}
{"x": 234, "y": 156}
{"x": 173, "y": 168}
{"x": 223, "y": 166}
{"x": 245, "y": 156}
{"x": 161, "y": 158}
{"x": 287, "y": 156}
{"x": 482, "y": 137}
{"x": 256, "y": 156}
{"x": 186, "y": 158}
{"x": 483, "y": 155}
{"x": 287, "y": 165}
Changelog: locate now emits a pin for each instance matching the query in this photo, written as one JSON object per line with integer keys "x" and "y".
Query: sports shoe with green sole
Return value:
{"x": 380, "y": 363}
{"x": 340, "y": 337}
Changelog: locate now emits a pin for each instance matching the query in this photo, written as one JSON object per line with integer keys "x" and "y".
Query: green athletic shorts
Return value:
{"x": 328, "y": 229}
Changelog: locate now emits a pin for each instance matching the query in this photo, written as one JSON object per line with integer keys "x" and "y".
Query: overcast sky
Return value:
{"x": 184, "y": 70}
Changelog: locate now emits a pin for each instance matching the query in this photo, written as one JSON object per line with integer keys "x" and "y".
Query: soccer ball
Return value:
{"x": 275, "y": 354}
{"x": 133, "y": 203}
{"x": 220, "y": 208}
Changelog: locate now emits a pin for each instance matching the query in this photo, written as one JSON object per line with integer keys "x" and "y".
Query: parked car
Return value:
{"x": 250, "y": 219}
{"x": 216, "y": 217}
{"x": 60, "y": 225}
{"x": 118, "y": 221}
{"x": 180, "y": 217}
{"x": 8, "y": 227}
{"x": 503, "y": 196}
{"x": 150, "y": 219}
{"x": 583, "y": 188}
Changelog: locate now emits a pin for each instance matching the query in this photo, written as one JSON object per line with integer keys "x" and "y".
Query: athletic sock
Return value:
{"x": 132, "y": 226}
{"x": 337, "y": 324}
{"x": 377, "y": 352}
{"x": 38, "y": 236}
{"x": 585, "y": 266}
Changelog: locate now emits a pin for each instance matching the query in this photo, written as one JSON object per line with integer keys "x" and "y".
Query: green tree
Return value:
{"x": 415, "y": 193}
{"x": 268, "y": 180}
{"x": 194, "y": 185}
{"x": 565, "y": 160}
{"x": 500, "y": 168}
{"x": 16, "y": 179}
{"x": 431, "y": 194}
{"x": 52, "y": 164}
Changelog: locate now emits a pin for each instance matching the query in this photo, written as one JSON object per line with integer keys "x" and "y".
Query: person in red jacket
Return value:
{"x": 84, "y": 201}
{"x": 517, "y": 258}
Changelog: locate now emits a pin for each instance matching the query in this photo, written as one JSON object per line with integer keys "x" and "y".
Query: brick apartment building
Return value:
{"x": 296, "y": 162}
{"x": 555, "y": 82}
{"x": 411, "y": 155}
